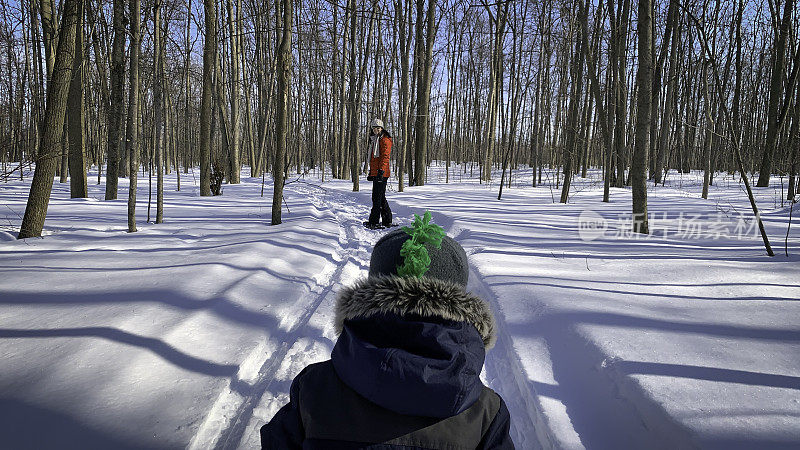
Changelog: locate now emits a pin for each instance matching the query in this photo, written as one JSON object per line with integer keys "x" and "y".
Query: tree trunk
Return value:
{"x": 794, "y": 144}
{"x": 235, "y": 166}
{"x": 47, "y": 11}
{"x": 158, "y": 104}
{"x": 775, "y": 93}
{"x": 351, "y": 98}
{"x": 621, "y": 92}
{"x": 102, "y": 105}
{"x": 737, "y": 91}
{"x": 209, "y": 65}
{"x": 132, "y": 133}
{"x": 63, "y": 168}
{"x": 404, "y": 103}
{"x": 224, "y": 123}
{"x": 666, "y": 117}
{"x": 284, "y": 55}
{"x": 644, "y": 86}
{"x": 602, "y": 116}
{"x": 251, "y": 150}
{"x": 408, "y": 139}
{"x": 186, "y": 123}
{"x": 77, "y": 133}
{"x": 709, "y": 133}
{"x": 572, "y": 120}
{"x": 58, "y": 89}
{"x": 424, "y": 65}
{"x": 495, "y": 85}
{"x": 117, "y": 100}
{"x": 590, "y": 127}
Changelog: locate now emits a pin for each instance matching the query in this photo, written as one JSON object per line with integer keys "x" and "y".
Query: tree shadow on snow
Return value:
{"x": 707, "y": 373}
{"x": 156, "y": 346}
{"x": 604, "y": 417}
{"x": 26, "y": 426}
{"x": 219, "y": 305}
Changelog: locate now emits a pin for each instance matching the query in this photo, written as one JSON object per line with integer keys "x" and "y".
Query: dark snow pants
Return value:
{"x": 380, "y": 207}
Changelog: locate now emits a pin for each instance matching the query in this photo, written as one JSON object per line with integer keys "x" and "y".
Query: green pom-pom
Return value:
{"x": 416, "y": 260}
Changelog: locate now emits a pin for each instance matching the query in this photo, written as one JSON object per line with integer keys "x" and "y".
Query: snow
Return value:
{"x": 188, "y": 333}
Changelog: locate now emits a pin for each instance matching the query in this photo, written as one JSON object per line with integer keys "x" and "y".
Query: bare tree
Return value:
{"x": 794, "y": 144}
{"x": 158, "y": 103}
{"x": 619, "y": 18}
{"x": 284, "y": 55}
{"x": 666, "y": 116}
{"x": 709, "y": 133}
{"x": 132, "y": 132}
{"x": 76, "y": 117}
{"x": 423, "y": 64}
{"x": 644, "y": 86}
{"x": 352, "y": 118}
{"x": 209, "y": 65}
{"x": 58, "y": 89}
{"x": 495, "y": 84}
{"x": 117, "y": 100}
{"x": 572, "y": 120}
{"x": 603, "y": 117}
{"x": 49, "y": 30}
{"x": 402, "y": 19}
{"x": 782, "y": 26}
{"x": 234, "y": 166}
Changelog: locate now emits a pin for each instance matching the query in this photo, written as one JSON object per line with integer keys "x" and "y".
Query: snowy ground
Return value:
{"x": 188, "y": 333}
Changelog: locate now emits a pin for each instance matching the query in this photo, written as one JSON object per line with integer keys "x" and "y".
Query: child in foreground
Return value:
{"x": 405, "y": 370}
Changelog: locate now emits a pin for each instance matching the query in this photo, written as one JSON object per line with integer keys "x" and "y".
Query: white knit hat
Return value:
{"x": 376, "y": 123}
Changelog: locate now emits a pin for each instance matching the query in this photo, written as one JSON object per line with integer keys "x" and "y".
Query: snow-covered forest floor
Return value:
{"x": 188, "y": 333}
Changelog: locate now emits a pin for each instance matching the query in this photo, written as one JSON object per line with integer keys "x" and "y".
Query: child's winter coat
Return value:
{"x": 404, "y": 374}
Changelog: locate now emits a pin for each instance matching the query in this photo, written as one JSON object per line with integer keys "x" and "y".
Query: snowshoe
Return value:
{"x": 373, "y": 226}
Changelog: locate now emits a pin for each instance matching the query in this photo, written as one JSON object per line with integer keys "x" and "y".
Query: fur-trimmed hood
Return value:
{"x": 415, "y": 346}
{"x": 404, "y": 373}
{"x": 426, "y": 297}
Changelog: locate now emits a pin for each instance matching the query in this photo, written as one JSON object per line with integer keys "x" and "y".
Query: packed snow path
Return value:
{"x": 232, "y": 422}
{"x": 189, "y": 333}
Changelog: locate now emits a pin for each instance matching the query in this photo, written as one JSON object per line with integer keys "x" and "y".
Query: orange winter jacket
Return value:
{"x": 380, "y": 162}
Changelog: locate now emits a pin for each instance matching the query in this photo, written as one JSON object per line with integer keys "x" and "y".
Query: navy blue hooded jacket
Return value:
{"x": 404, "y": 373}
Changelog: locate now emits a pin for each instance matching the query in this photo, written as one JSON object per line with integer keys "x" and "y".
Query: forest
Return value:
{"x": 185, "y": 261}
{"x": 288, "y": 87}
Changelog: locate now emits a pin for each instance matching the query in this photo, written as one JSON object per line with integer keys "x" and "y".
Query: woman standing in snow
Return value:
{"x": 380, "y": 148}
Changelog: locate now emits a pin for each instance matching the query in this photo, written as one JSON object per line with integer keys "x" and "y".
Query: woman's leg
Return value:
{"x": 386, "y": 212}
{"x": 378, "y": 192}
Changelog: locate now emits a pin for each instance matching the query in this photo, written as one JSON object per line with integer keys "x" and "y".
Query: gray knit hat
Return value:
{"x": 448, "y": 263}
{"x": 377, "y": 123}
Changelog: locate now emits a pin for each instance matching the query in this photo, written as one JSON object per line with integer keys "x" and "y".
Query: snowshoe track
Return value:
{"x": 239, "y": 399}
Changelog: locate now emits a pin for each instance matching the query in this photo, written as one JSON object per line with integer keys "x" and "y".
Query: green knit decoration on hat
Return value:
{"x": 416, "y": 259}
